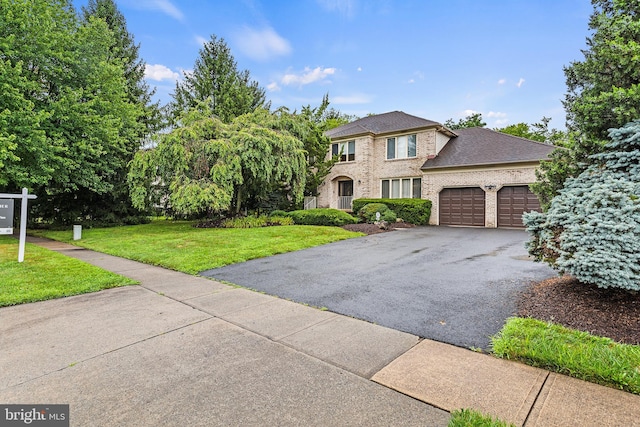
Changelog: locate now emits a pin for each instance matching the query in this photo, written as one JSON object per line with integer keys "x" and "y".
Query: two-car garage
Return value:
{"x": 468, "y": 206}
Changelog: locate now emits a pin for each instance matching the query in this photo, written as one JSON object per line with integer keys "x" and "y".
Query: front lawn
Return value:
{"x": 179, "y": 246}
{"x": 46, "y": 274}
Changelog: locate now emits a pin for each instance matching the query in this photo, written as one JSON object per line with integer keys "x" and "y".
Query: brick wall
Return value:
{"x": 433, "y": 182}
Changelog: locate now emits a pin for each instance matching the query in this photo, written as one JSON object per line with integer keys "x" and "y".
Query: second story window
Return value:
{"x": 346, "y": 151}
{"x": 401, "y": 147}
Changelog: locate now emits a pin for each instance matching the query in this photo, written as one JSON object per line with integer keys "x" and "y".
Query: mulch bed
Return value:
{"x": 612, "y": 313}
{"x": 374, "y": 229}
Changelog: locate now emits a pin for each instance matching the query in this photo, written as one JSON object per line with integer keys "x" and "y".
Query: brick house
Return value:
{"x": 473, "y": 177}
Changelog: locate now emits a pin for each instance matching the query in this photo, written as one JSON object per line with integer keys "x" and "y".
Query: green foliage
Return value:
{"x": 570, "y": 352}
{"x": 603, "y": 92}
{"x": 604, "y": 88}
{"x": 66, "y": 100}
{"x": 216, "y": 81}
{"x": 278, "y": 212}
{"x": 368, "y": 213}
{"x": 592, "y": 228}
{"x": 472, "y": 121}
{"x": 256, "y": 221}
{"x": 206, "y": 166}
{"x": 471, "y": 418}
{"x": 536, "y": 132}
{"x": 325, "y": 217}
{"x": 414, "y": 211}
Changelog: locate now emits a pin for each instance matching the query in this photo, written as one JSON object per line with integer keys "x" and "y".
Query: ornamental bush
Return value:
{"x": 414, "y": 211}
{"x": 368, "y": 213}
{"x": 592, "y": 227}
{"x": 333, "y": 217}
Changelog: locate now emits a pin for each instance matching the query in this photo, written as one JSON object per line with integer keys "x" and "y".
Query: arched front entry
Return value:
{"x": 345, "y": 193}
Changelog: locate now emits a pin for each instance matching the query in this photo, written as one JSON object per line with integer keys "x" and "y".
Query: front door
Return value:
{"x": 345, "y": 194}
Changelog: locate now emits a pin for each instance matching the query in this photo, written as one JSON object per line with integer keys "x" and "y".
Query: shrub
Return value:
{"x": 333, "y": 217}
{"x": 256, "y": 221}
{"x": 368, "y": 213}
{"x": 415, "y": 211}
{"x": 278, "y": 212}
{"x": 592, "y": 228}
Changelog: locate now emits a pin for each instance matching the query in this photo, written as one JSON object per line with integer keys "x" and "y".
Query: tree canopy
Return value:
{"x": 472, "y": 121}
{"x": 602, "y": 92}
{"x": 216, "y": 79}
{"x": 67, "y": 120}
{"x": 603, "y": 89}
{"x": 536, "y": 132}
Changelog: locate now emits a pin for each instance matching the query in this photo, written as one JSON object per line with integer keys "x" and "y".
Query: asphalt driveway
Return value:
{"x": 455, "y": 285}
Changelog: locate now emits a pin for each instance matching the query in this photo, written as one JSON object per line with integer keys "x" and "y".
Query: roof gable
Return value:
{"x": 395, "y": 121}
{"x": 481, "y": 146}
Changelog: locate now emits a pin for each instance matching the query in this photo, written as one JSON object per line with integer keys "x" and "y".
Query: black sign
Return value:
{"x": 6, "y": 216}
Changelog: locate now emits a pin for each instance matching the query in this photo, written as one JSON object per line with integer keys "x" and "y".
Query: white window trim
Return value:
{"x": 395, "y": 137}
{"x": 402, "y": 196}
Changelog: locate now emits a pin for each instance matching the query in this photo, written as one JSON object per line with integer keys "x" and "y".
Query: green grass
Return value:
{"x": 471, "y": 418}
{"x": 45, "y": 274}
{"x": 570, "y": 352}
{"x": 179, "y": 246}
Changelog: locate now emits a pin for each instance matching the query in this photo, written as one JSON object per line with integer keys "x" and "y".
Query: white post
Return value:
{"x": 23, "y": 225}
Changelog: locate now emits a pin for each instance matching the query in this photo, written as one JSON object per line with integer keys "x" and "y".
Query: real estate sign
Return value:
{"x": 6, "y": 216}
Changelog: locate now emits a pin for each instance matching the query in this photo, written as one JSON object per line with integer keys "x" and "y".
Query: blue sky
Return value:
{"x": 434, "y": 59}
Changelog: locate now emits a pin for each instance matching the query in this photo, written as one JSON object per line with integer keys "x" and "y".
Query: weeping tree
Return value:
{"x": 205, "y": 166}
{"x": 592, "y": 228}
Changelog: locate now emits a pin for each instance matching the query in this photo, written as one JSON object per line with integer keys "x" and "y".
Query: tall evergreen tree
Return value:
{"x": 115, "y": 206}
{"x": 215, "y": 79}
{"x": 603, "y": 92}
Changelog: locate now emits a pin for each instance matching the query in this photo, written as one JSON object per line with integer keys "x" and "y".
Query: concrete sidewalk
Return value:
{"x": 185, "y": 350}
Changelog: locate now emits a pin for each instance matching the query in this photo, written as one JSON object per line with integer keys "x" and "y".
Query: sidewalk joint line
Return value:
{"x": 535, "y": 400}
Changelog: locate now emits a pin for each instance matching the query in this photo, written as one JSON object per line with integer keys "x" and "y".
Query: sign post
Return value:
{"x": 6, "y": 224}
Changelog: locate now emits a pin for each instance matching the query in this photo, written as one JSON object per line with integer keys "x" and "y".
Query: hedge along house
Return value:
{"x": 473, "y": 177}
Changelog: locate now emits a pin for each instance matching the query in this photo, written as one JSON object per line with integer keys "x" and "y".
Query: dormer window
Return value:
{"x": 401, "y": 147}
{"x": 346, "y": 151}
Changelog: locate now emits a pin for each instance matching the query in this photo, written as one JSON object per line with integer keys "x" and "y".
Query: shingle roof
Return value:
{"x": 481, "y": 146}
{"x": 394, "y": 121}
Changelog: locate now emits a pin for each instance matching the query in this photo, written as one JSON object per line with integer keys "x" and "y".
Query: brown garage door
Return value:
{"x": 462, "y": 206}
{"x": 512, "y": 202}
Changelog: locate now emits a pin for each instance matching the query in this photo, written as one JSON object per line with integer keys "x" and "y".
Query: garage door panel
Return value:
{"x": 462, "y": 206}
{"x": 513, "y": 202}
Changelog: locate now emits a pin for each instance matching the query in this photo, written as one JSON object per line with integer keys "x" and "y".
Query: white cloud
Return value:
{"x": 502, "y": 81}
{"x": 359, "y": 68}
{"x": 501, "y": 122}
{"x": 343, "y": 7}
{"x": 164, "y": 6}
{"x": 353, "y": 99}
{"x": 307, "y": 76}
{"x": 411, "y": 81}
{"x": 261, "y": 45}
{"x": 159, "y": 72}
{"x": 520, "y": 82}
{"x": 496, "y": 114}
{"x": 468, "y": 113}
{"x": 200, "y": 40}
{"x": 273, "y": 87}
